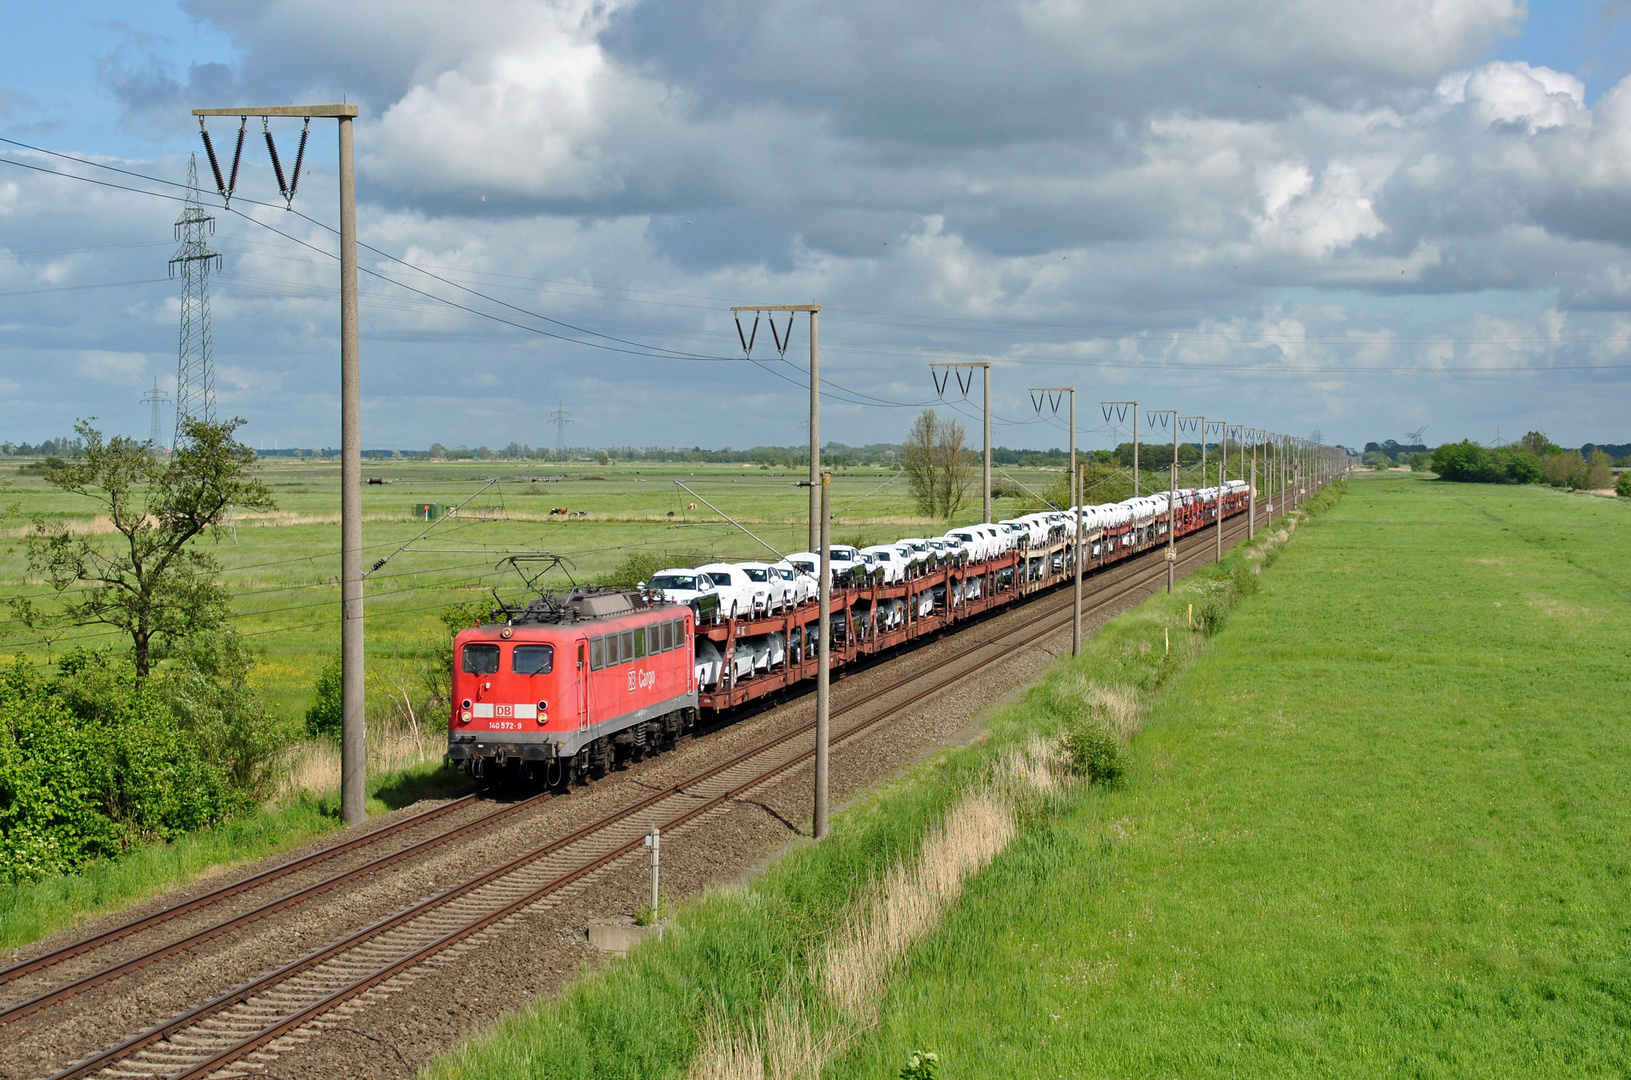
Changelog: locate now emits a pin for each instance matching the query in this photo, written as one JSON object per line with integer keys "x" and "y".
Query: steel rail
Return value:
{"x": 78, "y": 986}
{"x": 1132, "y": 582}
{"x": 223, "y": 892}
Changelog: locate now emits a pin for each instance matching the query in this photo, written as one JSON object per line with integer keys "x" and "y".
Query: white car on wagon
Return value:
{"x": 735, "y": 589}
{"x": 679, "y": 586}
{"x": 801, "y": 586}
{"x": 888, "y": 562}
{"x": 770, "y": 591}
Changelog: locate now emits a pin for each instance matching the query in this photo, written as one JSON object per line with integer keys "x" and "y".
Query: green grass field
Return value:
{"x": 1378, "y": 828}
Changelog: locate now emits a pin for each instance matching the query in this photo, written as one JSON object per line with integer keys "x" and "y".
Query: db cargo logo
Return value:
{"x": 641, "y": 680}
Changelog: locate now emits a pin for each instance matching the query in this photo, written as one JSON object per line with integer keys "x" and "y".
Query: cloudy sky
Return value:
{"x": 1296, "y": 214}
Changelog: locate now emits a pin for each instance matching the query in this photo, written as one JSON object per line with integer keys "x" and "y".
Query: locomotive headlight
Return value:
{"x": 543, "y": 706}
{"x": 465, "y": 704}
{"x": 543, "y": 716}
{"x": 464, "y": 716}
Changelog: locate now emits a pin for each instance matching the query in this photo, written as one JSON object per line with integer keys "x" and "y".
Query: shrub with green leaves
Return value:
{"x": 1092, "y": 745}
{"x": 922, "y": 1065}
{"x": 91, "y": 763}
{"x": 207, "y": 688}
{"x": 1096, "y": 752}
{"x": 325, "y": 715}
{"x": 638, "y": 567}
{"x": 1622, "y": 486}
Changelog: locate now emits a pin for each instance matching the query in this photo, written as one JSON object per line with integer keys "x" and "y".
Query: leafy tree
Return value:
{"x": 1538, "y": 444}
{"x": 1599, "y": 471}
{"x": 1566, "y": 469}
{"x": 1622, "y": 487}
{"x": 938, "y": 465}
{"x": 151, "y": 582}
{"x": 1522, "y": 467}
{"x": 225, "y": 719}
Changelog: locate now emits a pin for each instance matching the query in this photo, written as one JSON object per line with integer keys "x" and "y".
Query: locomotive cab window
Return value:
{"x": 533, "y": 659}
{"x": 481, "y": 659}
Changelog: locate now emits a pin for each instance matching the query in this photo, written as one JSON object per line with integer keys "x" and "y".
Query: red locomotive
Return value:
{"x": 571, "y": 682}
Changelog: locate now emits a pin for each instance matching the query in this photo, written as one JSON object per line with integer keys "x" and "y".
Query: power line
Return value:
{"x": 659, "y": 352}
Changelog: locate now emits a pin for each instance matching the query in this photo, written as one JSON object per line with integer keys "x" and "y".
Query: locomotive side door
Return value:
{"x": 583, "y": 684}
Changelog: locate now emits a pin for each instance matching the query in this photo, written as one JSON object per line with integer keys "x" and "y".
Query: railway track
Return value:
{"x": 238, "y": 1024}
{"x": 13, "y": 972}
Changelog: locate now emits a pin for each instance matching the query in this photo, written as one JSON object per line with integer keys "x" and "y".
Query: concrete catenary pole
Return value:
{"x": 1172, "y": 494}
{"x": 1251, "y": 489}
{"x": 815, "y": 430}
{"x": 1105, "y": 408}
{"x": 1076, "y": 502}
{"x": 1074, "y": 486}
{"x": 987, "y": 443}
{"x": 814, "y": 311}
{"x": 353, "y": 688}
{"x": 941, "y": 379}
{"x": 1223, "y": 467}
{"x": 1176, "y": 421}
{"x": 823, "y": 653}
{"x": 353, "y": 730}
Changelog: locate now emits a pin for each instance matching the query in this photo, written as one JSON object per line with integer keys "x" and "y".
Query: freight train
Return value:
{"x": 566, "y": 686}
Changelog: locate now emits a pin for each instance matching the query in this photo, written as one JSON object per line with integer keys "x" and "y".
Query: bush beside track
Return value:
{"x": 733, "y": 957}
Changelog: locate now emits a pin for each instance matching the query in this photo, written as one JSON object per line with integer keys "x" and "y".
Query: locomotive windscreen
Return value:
{"x": 481, "y": 659}
{"x": 533, "y": 659}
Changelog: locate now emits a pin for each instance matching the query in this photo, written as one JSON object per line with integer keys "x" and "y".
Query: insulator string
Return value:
{"x": 209, "y": 152}
{"x": 299, "y": 156}
{"x": 237, "y": 156}
{"x": 277, "y": 166}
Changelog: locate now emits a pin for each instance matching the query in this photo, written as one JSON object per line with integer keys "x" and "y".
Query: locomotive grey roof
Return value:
{"x": 578, "y": 605}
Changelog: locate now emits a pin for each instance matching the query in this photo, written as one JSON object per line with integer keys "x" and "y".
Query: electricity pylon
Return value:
{"x": 560, "y": 418}
{"x": 195, "y": 364}
{"x": 157, "y": 399}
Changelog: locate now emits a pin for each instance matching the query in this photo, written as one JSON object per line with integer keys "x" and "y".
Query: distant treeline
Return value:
{"x": 1401, "y": 453}
{"x": 63, "y": 447}
{"x": 1533, "y": 459}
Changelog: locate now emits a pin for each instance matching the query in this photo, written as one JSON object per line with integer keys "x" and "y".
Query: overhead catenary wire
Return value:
{"x": 1094, "y": 362}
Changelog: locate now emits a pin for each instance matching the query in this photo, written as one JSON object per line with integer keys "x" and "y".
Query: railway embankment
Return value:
{"x": 801, "y": 971}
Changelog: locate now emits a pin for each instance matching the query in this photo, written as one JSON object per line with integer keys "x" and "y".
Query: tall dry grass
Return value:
{"x": 794, "y": 1041}
{"x": 910, "y": 903}
{"x": 397, "y": 740}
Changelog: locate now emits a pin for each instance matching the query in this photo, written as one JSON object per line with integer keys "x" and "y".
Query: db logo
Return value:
{"x": 507, "y": 711}
{"x": 640, "y": 680}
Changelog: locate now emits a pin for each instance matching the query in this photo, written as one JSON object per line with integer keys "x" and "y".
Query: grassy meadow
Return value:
{"x": 1377, "y": 828}
{"x": 1371, "y": 822}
